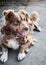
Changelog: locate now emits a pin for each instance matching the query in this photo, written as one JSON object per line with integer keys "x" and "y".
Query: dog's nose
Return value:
{"x": 26, "y": 28}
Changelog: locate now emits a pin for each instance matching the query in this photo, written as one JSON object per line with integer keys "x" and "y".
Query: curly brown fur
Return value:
{"x": 32, "y": 20}
{"x": 13, "y": 27}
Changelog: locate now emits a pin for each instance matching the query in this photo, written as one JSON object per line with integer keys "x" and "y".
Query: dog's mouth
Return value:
{"x": 22, "y": 33}
{"x": 23, "y": 36}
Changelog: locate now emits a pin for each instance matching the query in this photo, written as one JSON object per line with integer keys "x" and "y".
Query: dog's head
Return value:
{"x": 13, "y": 23}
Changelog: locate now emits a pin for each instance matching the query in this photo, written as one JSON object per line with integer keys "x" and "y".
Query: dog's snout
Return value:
{"x": 26, "y": 28}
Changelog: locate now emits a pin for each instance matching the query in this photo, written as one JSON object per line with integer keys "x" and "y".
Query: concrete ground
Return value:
{"x": 37, "y": 54}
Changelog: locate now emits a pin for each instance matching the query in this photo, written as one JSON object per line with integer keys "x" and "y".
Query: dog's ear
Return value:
{"x": 10, "y": 14}
{"x": 7, "y": 11}
{"x": 35, "y": 15}
{"x": 4, "y": 12}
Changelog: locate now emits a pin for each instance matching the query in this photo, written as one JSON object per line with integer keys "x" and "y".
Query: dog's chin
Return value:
{"x": 23, "y": 35}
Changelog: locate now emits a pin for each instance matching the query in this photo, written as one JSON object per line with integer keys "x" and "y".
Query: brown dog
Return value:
{"x": 16, "y": 34}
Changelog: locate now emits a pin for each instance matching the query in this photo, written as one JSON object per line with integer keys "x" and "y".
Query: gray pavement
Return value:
{"x": 37, "y": 54}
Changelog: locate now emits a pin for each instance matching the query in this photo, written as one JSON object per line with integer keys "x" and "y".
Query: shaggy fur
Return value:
{"x": 32, "y": 20}
{"x": 16, "y": 34}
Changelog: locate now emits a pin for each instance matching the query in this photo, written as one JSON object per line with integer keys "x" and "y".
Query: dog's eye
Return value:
{"x": 31, "y": 24}
{"x": 18, "y": 22}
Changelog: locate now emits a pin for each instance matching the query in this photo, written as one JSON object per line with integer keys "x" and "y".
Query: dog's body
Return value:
{"x": 16, "y": 33}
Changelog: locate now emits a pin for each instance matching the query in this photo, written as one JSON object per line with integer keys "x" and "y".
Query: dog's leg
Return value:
{"x": 34, "y": 41}
{"x": 27, "y": 50}
{"x": 4, "y": 56}
{"x": 22, "y": 53}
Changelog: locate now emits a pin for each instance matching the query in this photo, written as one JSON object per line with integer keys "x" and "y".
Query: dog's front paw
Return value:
{"x": 21, "y": 56}
{"x": 4, "y": 57}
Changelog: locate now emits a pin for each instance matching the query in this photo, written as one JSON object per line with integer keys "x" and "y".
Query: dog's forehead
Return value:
{"x": 24, "y": 13}
{"x": 23, "y": 22}
{"x": 16, "y": 15}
